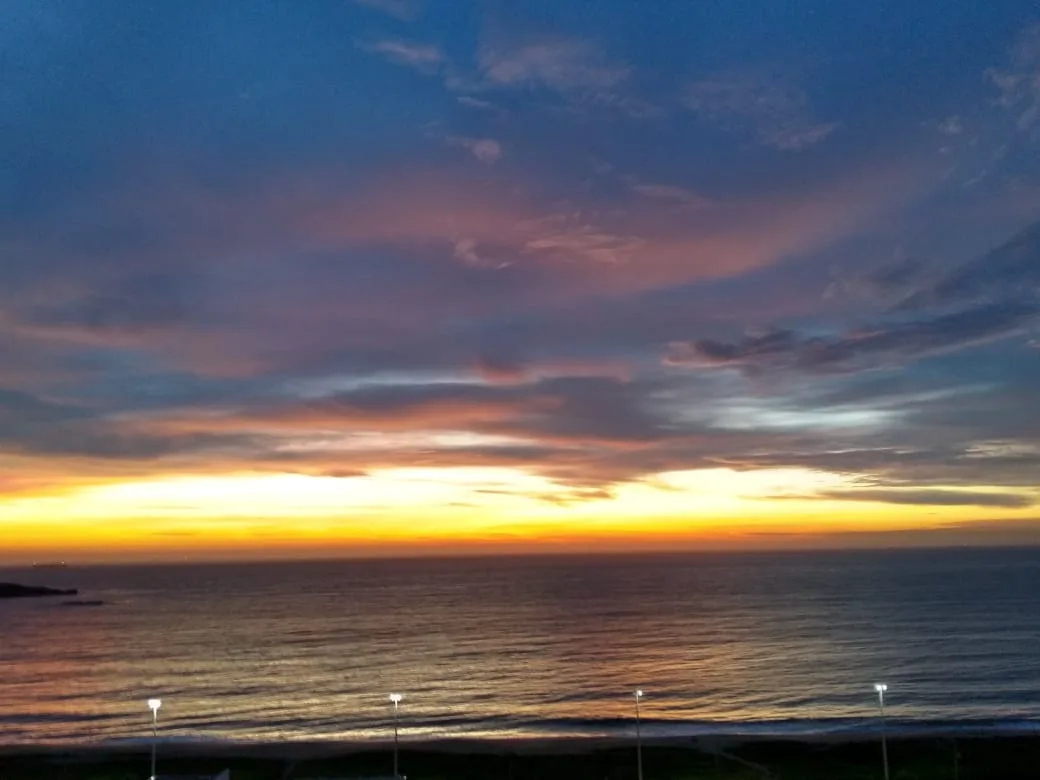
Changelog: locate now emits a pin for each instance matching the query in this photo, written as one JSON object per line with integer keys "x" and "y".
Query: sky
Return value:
{"x": 416, "y": 276}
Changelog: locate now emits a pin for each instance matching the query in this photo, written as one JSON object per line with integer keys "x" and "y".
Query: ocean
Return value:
{"x": 742, "y": 643}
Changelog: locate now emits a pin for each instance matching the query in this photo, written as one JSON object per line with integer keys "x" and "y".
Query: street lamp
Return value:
{"x": 881, "y": 688}
{"x": 154, "y": 705}
{"x": 396, "y": 699}
{"x": 639, "y": 737}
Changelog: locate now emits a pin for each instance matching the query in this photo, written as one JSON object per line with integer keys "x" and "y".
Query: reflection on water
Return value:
{"x": 521, "y": 646}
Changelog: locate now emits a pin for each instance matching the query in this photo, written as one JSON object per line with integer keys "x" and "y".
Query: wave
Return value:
{"x": 614, "y": 729}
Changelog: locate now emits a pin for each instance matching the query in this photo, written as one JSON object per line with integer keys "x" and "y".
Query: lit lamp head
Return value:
{"x": 396, "y": 698}
{"x": 154, "y": 705}
{"x": 880, "y": 688}
{"x": 639, "y": 693}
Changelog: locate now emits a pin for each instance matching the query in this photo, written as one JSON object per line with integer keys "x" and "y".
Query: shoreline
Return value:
{"x": 535, "y": 746}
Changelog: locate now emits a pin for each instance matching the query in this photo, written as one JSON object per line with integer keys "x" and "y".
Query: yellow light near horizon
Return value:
{"x": 293, "y": 494}
{"x": 443, "y": 505}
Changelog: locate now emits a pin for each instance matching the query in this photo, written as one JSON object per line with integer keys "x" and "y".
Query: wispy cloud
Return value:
{"x": 562, "y": 64}
{"x": 577, "y": 69}
{"x": 423, "y": 57}
{"x": 993, "y": 298}
{"x": 569, "y": 236}
{"x": 667, "y": 192}
{"x": 877, "y": 346}
{"x": 932, "y": 497}
{"x": 774, "y": 111}
{"x": 1019, "y": 82}
{"x": 487, "y": 150}
{"x": 1009, "y": 272}
{"x": 468, "y": 251}
{"x": 951, "y": 125}
{"x": 472, "y": 102}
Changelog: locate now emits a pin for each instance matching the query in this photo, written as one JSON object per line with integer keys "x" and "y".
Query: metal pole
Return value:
{"x": 884, "y": 743}
{"x": 395, "y": 741}
{"x": 639, "y": 740}
{"x": 155, "y": 737}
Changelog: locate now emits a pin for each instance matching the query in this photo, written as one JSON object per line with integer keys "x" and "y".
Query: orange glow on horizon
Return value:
{"x": 440, "y": 511}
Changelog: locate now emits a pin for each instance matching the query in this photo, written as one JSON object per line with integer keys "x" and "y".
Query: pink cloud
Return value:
{"x": 638, "y": 247}
{"x": 531, "y": 250}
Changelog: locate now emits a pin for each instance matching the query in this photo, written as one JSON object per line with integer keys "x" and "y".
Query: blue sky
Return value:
{"x": 589, "y": 242}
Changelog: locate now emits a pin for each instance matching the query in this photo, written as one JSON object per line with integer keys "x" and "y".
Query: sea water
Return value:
{"x": 749, "y": 643}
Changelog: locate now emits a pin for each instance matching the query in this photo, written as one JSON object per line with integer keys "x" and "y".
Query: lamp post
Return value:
{"x": 154, "y": 705}
{"x": 881, "y": 688}
{"x": 395, "y": 698}
{"x": 639, "y": 737}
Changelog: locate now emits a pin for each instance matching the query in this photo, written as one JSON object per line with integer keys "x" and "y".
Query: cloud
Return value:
{"x": 472, "y": 102}
{"x": 669, "y": 192}
{"x": 20, "y": 411}
{"x": 931, "y": 497}
{"x": 1019, "y": 83}
{"x": 415, "y": 246}
{"x": 912, "y": 460}
{"x": 881, "y": 345}
{"x": 889, "y": 281}
{"x": 574, "y": 68}
{"x": 132, "y": 305}
{"x": 30, "y": 425}
{"x": 952, "y": 125}
{"x": 423, "y": 57}
{"x": 565, "y": 408}
{"x": 486, "y": 150}
{"x": 1011, "y": 271}
{"x": 578, "y": 431}
{"x": 995, "y": 297}
{"x": 775, "y": 112}
{"x": 568, "y": 236}
{"x": 321, "y": 272}
{"x": 500, "y": 369}
{"x": 168, "y": 290}
{"x": 561, "y": 64}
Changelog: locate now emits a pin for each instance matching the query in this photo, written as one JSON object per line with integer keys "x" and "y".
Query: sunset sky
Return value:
{"x": 413, "y": 276}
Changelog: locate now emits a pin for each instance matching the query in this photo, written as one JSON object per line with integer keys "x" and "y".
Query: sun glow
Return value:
{"x": 445, "y": 505}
